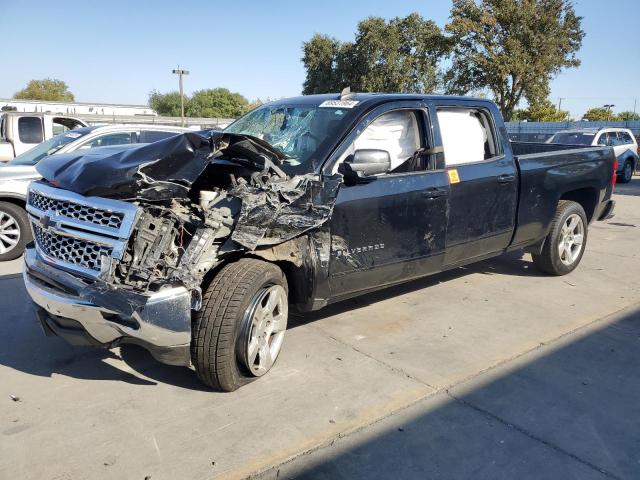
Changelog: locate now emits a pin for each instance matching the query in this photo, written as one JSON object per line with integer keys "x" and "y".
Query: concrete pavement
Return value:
{"x": 460, "y": 362}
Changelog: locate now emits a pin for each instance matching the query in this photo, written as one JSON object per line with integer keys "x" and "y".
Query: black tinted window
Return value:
{"x": 30, "y": 130}
{"x": 626, "y": 138}
{"x": 110, "y": 140}
{"x": 150, "y": 136}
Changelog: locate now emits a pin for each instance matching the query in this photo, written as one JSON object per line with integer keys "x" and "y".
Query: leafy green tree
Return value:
{"x": 512, "y": 48}
{"x": 320, "y": 55}
{"x": 541, "y": 111}
{"x": 217, "y": 103}
{"x": 47, "y": 89}
{"x": 399, "y": 55}
{"x": 628, "y": 116}
{"x": 167, "y": 104}
{"x": 600, "y": 114}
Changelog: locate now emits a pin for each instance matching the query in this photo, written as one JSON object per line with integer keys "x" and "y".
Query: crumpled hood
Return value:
{"x": 160, "y": 170}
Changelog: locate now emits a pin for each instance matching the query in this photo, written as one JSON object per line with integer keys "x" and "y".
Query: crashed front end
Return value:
{"x": 123, "y": 242}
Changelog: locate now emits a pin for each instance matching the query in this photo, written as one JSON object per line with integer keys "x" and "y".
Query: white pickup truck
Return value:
{"x": 21, "y": 131}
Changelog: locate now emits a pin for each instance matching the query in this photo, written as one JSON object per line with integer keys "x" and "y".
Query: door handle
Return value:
{"x": 506, "y": 178}
{"x": 434, "y": 193}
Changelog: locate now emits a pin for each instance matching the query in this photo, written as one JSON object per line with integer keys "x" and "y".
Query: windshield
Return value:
{"x": 49, "y": 147}
{"x": 572, "y": 138}
{"x": 296, "y": 131}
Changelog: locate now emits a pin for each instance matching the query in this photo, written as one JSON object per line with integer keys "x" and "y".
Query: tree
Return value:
{"x": 217, "y": 103}
{"x": 207, "y": 103}
{"x": 600, "y": 114}
{"x": 320, "y": 55}
{"x": 541, "y": 111}
{"x": 512, "y": 48}
{"x": 628, "y": 116}
{"x": 46, "y": 89}
{"x": 167, "y": 104}
{"x": 399, "y": 55}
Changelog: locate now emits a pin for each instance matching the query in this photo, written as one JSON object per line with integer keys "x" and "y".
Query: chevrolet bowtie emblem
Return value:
{"x": 46, "y": 222}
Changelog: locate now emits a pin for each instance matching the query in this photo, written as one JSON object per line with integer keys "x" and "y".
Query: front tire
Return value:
{"x": 566, "y": 241}
{"x": 15, "y": 232}
{"x": 238, "y": 332}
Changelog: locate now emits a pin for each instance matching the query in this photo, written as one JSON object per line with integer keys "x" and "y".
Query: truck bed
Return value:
{"x": 526, "y": 148}
{"x": 547, "y": 171}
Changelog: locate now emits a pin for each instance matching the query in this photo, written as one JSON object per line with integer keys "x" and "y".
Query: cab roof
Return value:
{"x": 367, "y": 99}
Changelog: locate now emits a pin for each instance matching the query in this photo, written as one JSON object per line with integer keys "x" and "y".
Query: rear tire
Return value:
{"x": 565, "y": 244}
{"x": 627, "y": 172}
{"x": 15, "y": 231}
{"x": 237, "y": 334}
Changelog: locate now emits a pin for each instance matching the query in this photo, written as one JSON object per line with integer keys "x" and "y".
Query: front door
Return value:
{"x": 390, "y": 227}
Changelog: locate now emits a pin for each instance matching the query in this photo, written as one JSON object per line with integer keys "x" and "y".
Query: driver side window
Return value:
{"x": 396, "y": 132}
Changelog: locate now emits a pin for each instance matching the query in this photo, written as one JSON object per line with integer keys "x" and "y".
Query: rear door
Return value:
{"x": 391, "y": 227}
{"x": 484, "y": 188}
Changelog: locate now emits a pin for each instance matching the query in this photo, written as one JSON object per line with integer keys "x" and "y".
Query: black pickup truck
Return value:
{"x": 196, "y": 246}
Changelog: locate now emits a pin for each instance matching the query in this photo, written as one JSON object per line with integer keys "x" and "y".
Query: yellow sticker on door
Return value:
{"x": 453, "y": 176}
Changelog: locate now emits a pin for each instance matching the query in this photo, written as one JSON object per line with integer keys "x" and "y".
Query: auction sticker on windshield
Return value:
{"x": 339, "y": 103}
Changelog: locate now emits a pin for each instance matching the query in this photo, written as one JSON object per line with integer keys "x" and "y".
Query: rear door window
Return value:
{"x": 614, "y": 139}
{"x": 111, "y": 139}
{"x": 30, "y": 130}
{"x": 625, "y": 138}
{"x": 467, "y": 135}
{"x": 150, "y": 136}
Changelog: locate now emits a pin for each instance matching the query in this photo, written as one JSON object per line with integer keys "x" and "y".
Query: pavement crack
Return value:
{"x": 377, "y": 360}
{"x": 533, "y": 436}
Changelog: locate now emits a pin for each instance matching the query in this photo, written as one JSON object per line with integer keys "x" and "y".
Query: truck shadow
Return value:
{"x": 570, "y": 411}
{"x": 510, "y": 264}
{"x": 23, "y": 346}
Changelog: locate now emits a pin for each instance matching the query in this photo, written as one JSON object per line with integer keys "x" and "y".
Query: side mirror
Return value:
{"x": 365, "y": 163}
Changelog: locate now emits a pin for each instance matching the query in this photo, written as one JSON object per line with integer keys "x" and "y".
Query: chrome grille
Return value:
{"x": 75, "y": 233}
{"x": 83, "y": 213}
{"x": 71, "y": 250}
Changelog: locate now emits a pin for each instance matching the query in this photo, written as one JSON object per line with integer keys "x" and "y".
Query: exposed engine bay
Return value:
{"x": 202, "y": 198}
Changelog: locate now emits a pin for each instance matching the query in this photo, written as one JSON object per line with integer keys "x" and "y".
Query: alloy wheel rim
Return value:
{"x": 571, "y": 239}
{"x": 9, "y": 233}
{"x": 264, "y": 326}
{"x": 628, "y": 171}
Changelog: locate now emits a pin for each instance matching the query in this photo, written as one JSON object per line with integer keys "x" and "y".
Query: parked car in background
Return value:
{"x": 16, "y": 175}
{"x": 21, "y": 131}
{"x": 624, "y": 144}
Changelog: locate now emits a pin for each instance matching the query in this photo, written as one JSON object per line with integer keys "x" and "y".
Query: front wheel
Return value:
{"x": 238, "y": 333}
{"x": 566, "y": 241}
{"x": 14, "y": 231}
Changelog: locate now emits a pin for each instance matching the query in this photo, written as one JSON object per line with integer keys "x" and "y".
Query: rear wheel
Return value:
{"x": 238, "y": 333}
{"x": 627, "y": 172}
{"x": 566, "y": 241}
{"x": 14, "y": 231}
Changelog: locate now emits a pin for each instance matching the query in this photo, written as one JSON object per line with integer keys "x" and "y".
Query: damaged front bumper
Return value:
{"x": 64, "y": 307}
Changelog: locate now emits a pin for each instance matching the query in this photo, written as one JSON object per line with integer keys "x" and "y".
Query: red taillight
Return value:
{"x": 614, "y": 177}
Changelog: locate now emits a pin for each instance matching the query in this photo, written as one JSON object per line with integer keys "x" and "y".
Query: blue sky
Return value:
{"x": 117, "y": 51}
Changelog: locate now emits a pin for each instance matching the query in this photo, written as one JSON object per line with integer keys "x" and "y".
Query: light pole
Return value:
{"x": 608, "y": 107}
{"x": 180, "y": 73}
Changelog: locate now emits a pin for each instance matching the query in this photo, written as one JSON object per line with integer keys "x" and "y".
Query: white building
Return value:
{"x": 75, "y": 107}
